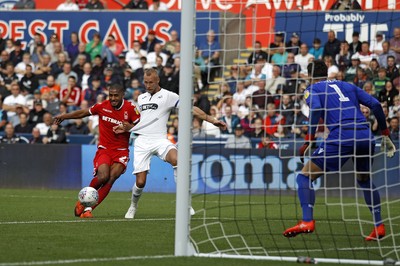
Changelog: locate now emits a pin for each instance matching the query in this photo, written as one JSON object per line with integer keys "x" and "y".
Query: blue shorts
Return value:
{"x": 331, "y": 156}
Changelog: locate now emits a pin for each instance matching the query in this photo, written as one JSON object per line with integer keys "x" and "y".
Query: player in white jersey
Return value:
{"x": 155, "y": 106}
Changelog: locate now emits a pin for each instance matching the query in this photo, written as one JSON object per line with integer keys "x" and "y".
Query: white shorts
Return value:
{"x": 144, "y": 148}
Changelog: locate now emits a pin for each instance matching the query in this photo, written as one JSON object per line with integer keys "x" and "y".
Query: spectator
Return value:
{"x": 2, "y": 42}
{"x": 68, "y": 5}
{"x": 266, "y": 67}
{"x": 343, "y": 58}
{"x": 21, "y": 66}
{"x": 150, "y": 41}
{"x": 25, "y": 4}
{"x": 230, "y": 119}
{"x": 238, "y": 140}
{"x": 392, "y": 71}
{"x": 36, "y": 137}
{"x": 346, "y": 5}
{"x": 376, "y": 44}
{"x": 278, "y": 42}
{"x": 53, "y": 104}
{"x": 10, "y": 137}
{"x": 170, "y": 46}
{"x": 394, "y": 128}
{"x": 273, "y": 83}
{"x": 50, "y": 46}
{"x": 4, "y": 60}
{"x": 113, "y": 46}
{"x": 62, "y": 78}
{"x": 109, "y": 76}
{"x": 333, "y": 70}
{"x": 332, "y": 46}
{"x": 201, "y": 101}
{"x": 8, "y": 78}
{"x": 388, "y": 93}
{"x": 297, "y": 121}
{"x": 317, "y": 51}
{"x": 197, "y": 130}
{"x": 45, "y": 125}
{"x": 94, "y": 47}
{"x": 355, "y": 45}
{"x": 361, "y": 78}
{"x": 394, "y": 109}
{"x": 258, "y": 52}
{"x": 29, "y": 82}
{"x": 71, "y": 94}
{"x": 293, "y": 46}
{"x": 138, "y": 73}
{"x": 36, "y": 97}
{"x": 280, "y": 56}
{"x": 370, "y": 89}
{"x": 98, "y": 67}
{"x": 58, "y": 50}
{"x": 57, "y": 67}
{"x": 168, "y": 80}
{"x": 379, "y": 83}
{"x": 365, "y": 55}
{"x": 386, "y": 52}
{"x": 290, "y": 66}
{"x": 340, "y": 76}
{"x": 72, "y": 47}
{"x": 120, "y": 66}
{"x": 55, "y": 135}
{"x": 258, "y": 131}
{"x": 152, "y": 56}
{"x": 32, "y": 45}
{"x": 267, "y": 143}
{"x": 17, "y": 53}
{"x": 240, "y": 93}
{"x": 94, "y": 5}
{"x": 38, "y": 54}
{"x": 92, "y": 92}
{"x": 136, "y": 4}
{"x": 78, "y": 68}
{"x": 261, "y": 97}
{"x": 36, "y": 115}
{"x": 127, "y": 79}
{"x": 82, "y": 51}
{"x": 247, "y": 114}
{"x": 43, "y": 68}
{"x": 273, "y": 119}
{"x": 78, "y": 128}
{"x": 286, "y": 107}
{"x": 352, "y": 70}
{"x": 9, "y": 46}
{"x": 158, "y": 6}
{"x": 303, "y": 59}
{"x": 255, "y": 74}
{"x": 50, "y": 86}
{"x": 395, "y": 44}
{"x": 13, "y": 101}
{"x": 133, "y": 55}
{"x": 3, "y": 116}
{"x": 373, "y": 69}
{"x": 210, "y": 51}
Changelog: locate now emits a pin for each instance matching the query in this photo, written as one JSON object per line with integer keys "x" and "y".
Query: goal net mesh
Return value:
{"x": 245, "y": 198}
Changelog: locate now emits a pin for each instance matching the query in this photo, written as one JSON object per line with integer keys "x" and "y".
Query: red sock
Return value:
{"x": 103, "y": 192}
{"x": 95, "y": 183}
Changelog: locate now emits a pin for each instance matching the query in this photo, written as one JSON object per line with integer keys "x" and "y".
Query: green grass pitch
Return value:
{"x": 38, "y": 227}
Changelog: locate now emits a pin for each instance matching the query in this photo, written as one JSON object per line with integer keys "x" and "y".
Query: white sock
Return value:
{"x": 175, "y": 172}
{"x": 136, "y": 193}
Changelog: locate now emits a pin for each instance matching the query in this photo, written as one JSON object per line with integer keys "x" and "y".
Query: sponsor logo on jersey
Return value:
{"x": 147, "y": 106}
{"x": 106, "y": 110}
{"x": 321, "y": 150}
{"x": 306, "y": 94}
{"x": 111, "y": 120}
{"x": 126, "y": 115}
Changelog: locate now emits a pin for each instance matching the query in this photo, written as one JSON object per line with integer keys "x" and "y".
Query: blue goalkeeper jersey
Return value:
{"x": 338, "y": 104}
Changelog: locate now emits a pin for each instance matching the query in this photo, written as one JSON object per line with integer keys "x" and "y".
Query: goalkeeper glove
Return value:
{"x": 305, "y": 148}
{"x": 387, "y": 144}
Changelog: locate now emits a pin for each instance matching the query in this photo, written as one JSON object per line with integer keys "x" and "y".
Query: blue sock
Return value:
{"x": 374, "y": 202}
{"x": 306, "y": 195}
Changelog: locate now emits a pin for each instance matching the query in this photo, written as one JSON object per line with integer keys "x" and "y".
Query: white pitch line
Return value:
{"x": 52, "y": 262}
{"x": 329, "y": 249}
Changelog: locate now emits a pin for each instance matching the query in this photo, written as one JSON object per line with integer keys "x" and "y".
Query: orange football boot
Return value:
{"x": 87, "y": 214}
{"x": 79, "y": 208}
{"x": 301, "y": 228}
{"x": 377, "y": 233}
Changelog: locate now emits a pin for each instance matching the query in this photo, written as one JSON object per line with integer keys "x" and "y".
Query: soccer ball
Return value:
{"x": 88, "y": 196}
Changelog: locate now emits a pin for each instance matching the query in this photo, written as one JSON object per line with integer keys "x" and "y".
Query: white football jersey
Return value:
{"x": 154, "y": 113}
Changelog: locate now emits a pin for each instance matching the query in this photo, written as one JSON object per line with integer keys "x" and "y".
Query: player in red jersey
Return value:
{"x": 112, "y": 153}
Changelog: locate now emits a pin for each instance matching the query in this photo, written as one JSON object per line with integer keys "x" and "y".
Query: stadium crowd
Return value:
{"x": 261, "y": 99}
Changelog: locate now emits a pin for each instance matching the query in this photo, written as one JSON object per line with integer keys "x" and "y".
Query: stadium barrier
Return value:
{"x": 216, "y": 169}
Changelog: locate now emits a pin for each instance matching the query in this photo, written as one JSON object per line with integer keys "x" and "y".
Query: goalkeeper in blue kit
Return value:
{"x": 337, "y": 103}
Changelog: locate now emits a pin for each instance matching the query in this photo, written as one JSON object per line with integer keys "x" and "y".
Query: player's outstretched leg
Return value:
{"x": 79, "y": 208}
{"x": 306, "y": 195}
{"x": 136, "y": 193}
{"x": 373, "y": 201}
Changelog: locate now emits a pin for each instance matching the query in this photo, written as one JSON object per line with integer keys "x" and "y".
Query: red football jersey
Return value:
{"x": 110, "y": 117}
{"x": 74, "y": 97}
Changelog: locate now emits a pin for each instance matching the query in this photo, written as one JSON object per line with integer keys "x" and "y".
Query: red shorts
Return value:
{"x": 109, "y": 157}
